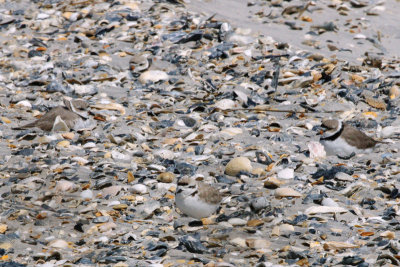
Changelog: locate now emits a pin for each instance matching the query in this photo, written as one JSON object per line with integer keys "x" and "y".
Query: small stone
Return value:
{"x": 273, "y": 183}
{"x": 24, "y": 103}
{"x": 286, "y": 174}
{"x": 255, "y": 222}
{"x": 388, "y": 131}
{"x": 87, "y": 194}
{"x": 153, "y": 76}
{"x": 257, "y": 243}
{"x": 231, "y": 132}
{"x": 166, "y": 177}
{"x": 105, "y": 227}
{"x": 239, "y": 242}
{"x": 64, "y": 186}
{"x": 41, "y": 16}
{"x": 139, "y": 189}
{"x": 112, "y": 190}
{"x": 58, "y": 243}
{"x": 120, "y": 207}
{"x": 101, "y": 219}
{"x": 275, "y": 231}
{"x": 317, "y": 150}
{"x": 208, "y": 220}
{"x": 68, "y": 136}
{"x": 324, "y": 209}
{"x": 286, "y": 229}
{"x": 343, "y": 177}
{"x": 121, "y": 264}
{"x": 225, "y": 104}
{"x": 329, "y": 202}
{"x": 286, "y": 192}
{"x": 6, "y": 245}
{"x": 147, "y": 210}
{"x": 131, "y": 177}
{"x": 71, "y": 16}
{"x": 3, "y": 228}
{"x": 394, "y": 92}
{"x": 165, "y": 154}
{"x": 237, "y": 221}
{"x": 338, "y": 245}
{"x": 64, "y": 144}
{"x": 120, "y": 156}
{"x": 5, "y": 120}
{"x": 237, "y": 165}
{"x": 388, "y": 235}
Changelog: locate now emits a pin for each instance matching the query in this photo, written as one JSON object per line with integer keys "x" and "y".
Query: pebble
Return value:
{"x": 63, "y": 144}
{"x": 286, "y": 228}
{"x": 139, "y": 189}
{"x": 254, "y": 223}
{"x": 166, "y": 177}
{"x": 258, "y": 243}
{"x": 286, "y": 174}
{"x": 24, "y": 103}
{"x": 153, "y": 76}
{"x": 3, "y": 228}
{"x": 225, "y": 104}
{"x": 237, "y": 222}
{"x": 286, "y": 192}
{"x": 64, "y": 186}
{"x": 329, "y": 202}
{"x": 87, "y": 194}
{"x": 273, "y": 183}
{"x": 343, "y": 176}
{"x": 59, "y": 243}
{"x": 112, "y": 190}
{"x": 317, "y": 150}
{"x": 241, "y": 242}
{"x": 324, "y": 209}
{"x": 236, "y": 165}
{"x": 394, "y": 92}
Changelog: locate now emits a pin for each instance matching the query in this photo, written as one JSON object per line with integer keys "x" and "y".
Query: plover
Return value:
{"x": 343, "y": 139}
{"x": 58, "y": 118}
{"x": 196, "y": 199}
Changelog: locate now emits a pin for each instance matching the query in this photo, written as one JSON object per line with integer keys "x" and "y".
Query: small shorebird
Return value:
{"x": 196, "y": 199}
{"x": 58, "y": 118}
{"x": 343, "y": 139}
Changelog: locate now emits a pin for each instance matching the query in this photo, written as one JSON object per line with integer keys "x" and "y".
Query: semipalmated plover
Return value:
{"x": 343, "y": 139}
{"x": 196, "y": 199}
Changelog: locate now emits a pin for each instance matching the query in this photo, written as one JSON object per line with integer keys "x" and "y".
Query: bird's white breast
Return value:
{"x": 339, "y": 146}
{"x": 193, "y": 206}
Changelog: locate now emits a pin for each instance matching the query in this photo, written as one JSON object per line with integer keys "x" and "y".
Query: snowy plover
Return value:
{"x": 196, "y": 199}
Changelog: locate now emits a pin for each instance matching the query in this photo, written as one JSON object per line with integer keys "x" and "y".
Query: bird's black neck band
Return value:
{"x": 334, "y": 136}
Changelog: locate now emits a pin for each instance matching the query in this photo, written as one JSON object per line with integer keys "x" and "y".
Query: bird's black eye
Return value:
{"x": 192, "y": 186}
